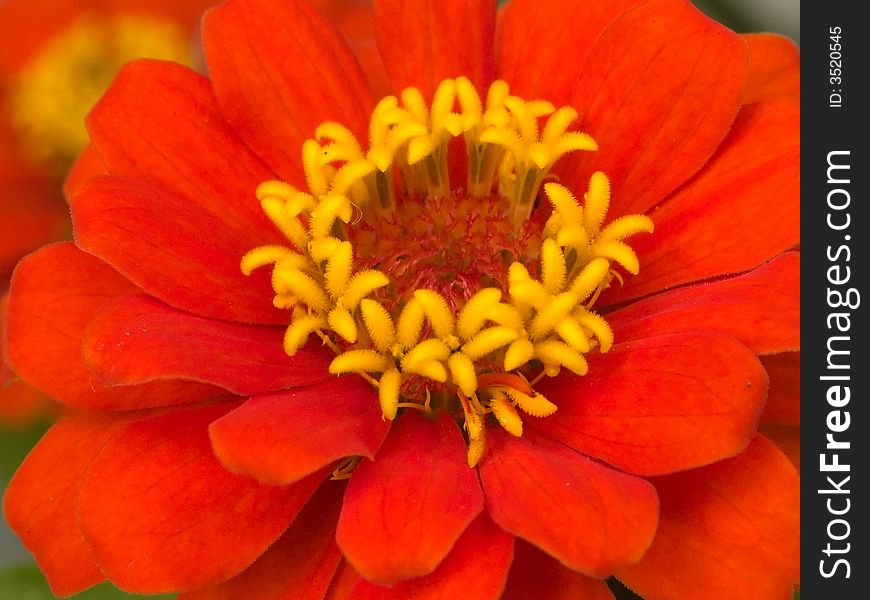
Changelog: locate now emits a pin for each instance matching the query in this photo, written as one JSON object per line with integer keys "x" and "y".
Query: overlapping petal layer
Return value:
{"x": 425, "y": 41}
{"x": 627, "y": 413}
{"x": 283, "y": 437}
{"x": 662, "y": 81}
{"x": 137, "y": 339}
{"x": 403, "y": 512}
{"x": 276, "y": 84}
{"x": 40, "y": 501}
{"x": 160, "y": 513}
{"x": 593, "y": 519}
{"x": 55, "y": 293}
{"x": 727, "y": 530}
{"x": 758, "y": 161}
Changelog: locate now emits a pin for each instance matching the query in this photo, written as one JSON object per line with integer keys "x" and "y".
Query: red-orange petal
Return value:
{"x": 543, "y": 44}
{"x": 137, "y": 339}
{"x": 425, "y": 41}
{"x": 476, "y": 567}
{"x": 299, "y": 566}
{"x": 739, "y": 212}
{"x": 534, "y": 574}
{"x": 355, "y": 20}
{"x": 660, "y": 405}
{"x": 33, "y": 214}
{"x": 774, "y": 68}
{"x": 173, "y": 249}
{"x": 784, "y": 400}
{"x": 160, "y": 123}
{"x": 162, "y": 514}
{"x": 588, "y": 516}
{"x": 279, "y": 70}
{"x": 760, "y": 308}
{"x": 55, "y": 293}
{"x": 86, "y": 165}
{"x": 658, "y": 93}
{"x": 404, "y": 511}
{"x": 730, "y": 530}
{"x": 284, "y": 437}
{"x": 40, "y": 502}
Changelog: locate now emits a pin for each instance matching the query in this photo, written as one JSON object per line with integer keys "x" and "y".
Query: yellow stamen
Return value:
{"x": 477, "y": 350}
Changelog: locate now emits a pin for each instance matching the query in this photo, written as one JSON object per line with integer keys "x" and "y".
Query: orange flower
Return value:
{"x": 56, "y": 59}
{"x": 512, "y": 399}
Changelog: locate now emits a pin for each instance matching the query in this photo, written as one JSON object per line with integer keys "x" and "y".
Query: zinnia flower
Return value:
{"x": 57, "y": 57}
{"x": 495, "y": 336}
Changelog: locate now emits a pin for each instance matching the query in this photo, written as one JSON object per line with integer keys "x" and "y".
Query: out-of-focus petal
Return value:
{"x": 730, "y": 530}
{"x": 740, "y": 211}
{"x": 774, "y": 68}
{"x": 55, "y": 293}
{"x": 588, "y": 516}
{"x": 299, "y": 566}
{"x": 404, "y": 511}
{"x": 534, "y": 574}
{"x": 425, "y": 41}
{"x": 279, "y": 70}
{"x": 161, "y": 514}
{"x": 160, "y": 123}
{"x": 760, "y": 308}
{"x": 658, "y": 92}
{"x": 137, "y": 339}
{"x": 39, "y": 504}
{"x": 476, "y": 567}
{"x": 283, "y": 437}
{"x": 660, "y": 405}
{"x": 784, "y": 400}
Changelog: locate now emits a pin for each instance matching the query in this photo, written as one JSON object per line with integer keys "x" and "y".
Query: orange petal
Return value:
{"x": 476, "y": 567}
{"x": 660, "y": 405}
{"x": 739, "y": 212}
{"x": 543, "y": 44}
{"x": 658, "y": 93}
{"x": 174, "y": 249}
{"x": 784, "y": 400}
{"x": 534, "y": 574}
{"x": 159, "y": 122}
{"x": 284, "y": 437}
{"x": 760, "y": 308}
{"x": 55, "y": 293}
{"x": 279, "y": 70}
{"x": 300, "y": 565}
{"x": 161, "y": 514}
{"x": 425, "y": 41}
{"x": 343, "y": 582}
{"x": 85, "y": 166}
{"x": 137, "y": 339}
{"x": 403, "y": 512}
{"x": 589, "y": 517}
{"x": 40, "y": 502}
{"x": 774, "y": 68}
{"x": 730, "y": 530}
{"x": 355, "y": 20}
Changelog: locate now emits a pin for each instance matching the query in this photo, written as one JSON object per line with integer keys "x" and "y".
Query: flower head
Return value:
{"x": 496, "y": 332}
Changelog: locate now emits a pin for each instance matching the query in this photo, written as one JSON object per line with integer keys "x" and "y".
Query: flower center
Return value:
{"x": 443, "y": 295}
{"x": 56, "y": 89}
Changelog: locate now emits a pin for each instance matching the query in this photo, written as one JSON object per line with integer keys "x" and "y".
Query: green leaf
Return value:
{"x": 15, "y": 443}
{"x": 25, "y": 582}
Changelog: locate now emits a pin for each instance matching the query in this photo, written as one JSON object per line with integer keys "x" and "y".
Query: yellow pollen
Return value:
{"x": 472, "y": 352}
{"x": 52, "y": 94}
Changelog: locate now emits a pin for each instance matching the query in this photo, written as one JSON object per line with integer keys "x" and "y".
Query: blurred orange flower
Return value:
{"x": 56, "y": 59}
{"x": 488, "y": 433}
